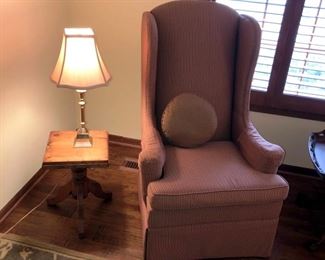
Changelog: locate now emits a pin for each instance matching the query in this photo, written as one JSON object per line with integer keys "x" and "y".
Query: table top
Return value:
{"x": 61, "y": 153}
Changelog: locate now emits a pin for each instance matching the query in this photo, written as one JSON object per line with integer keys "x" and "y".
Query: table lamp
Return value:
{"x": 80, "y": 67}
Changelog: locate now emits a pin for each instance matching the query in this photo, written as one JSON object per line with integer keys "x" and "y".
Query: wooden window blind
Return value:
{"x": 306, "y": 75}
{"x": 289, "y": 78}
{"x": 269, "y": 15}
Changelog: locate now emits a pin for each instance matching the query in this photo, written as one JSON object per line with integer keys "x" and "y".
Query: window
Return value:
{"x": 269, "y": 16}
{"x": 289, "y": 77}
{"x": 306, "y": 76}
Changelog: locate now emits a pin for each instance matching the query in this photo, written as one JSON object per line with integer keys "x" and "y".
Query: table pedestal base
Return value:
{"x": 78, "y": 186}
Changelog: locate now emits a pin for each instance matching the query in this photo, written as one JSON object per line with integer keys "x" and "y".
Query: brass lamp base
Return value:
{"x": 83, "y": 140}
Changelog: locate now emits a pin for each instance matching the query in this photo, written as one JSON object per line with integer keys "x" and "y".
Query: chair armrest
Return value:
{"x": 151, "y": 157}
{"x": 261, "y": 155}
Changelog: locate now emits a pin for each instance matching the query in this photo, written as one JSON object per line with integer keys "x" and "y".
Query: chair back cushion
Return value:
{"x": 196, "y": 54}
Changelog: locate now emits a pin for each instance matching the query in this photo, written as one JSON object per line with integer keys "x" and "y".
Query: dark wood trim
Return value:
{"x": 297, "y": 170}
{"x": 256, "y": 107}
{"x": 11, "y": 205}
{"x": 284, "y": 50}
{"x": 126, "y": 141}
{"x": 257, "y": 98}
{"x": 298, "y": 104}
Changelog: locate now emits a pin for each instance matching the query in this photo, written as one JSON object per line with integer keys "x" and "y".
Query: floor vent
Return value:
{"x": 130, "y": 164}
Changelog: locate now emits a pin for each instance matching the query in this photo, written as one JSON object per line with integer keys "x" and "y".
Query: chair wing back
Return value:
{"x": 196, "y": 54}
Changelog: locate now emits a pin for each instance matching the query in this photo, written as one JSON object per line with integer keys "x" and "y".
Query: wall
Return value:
{"x": 117, "y": 25}
{"x": 30, "y": 105}
{"x": 291, "y": 133}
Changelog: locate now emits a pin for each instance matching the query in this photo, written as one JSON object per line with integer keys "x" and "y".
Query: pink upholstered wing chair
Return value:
{"x": 223, "y": 198}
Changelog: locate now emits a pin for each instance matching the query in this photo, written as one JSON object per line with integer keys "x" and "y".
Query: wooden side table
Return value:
{"x": 60, "y": 153}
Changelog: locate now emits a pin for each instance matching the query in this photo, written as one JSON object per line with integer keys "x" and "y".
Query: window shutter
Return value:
{"x": 306, "y": 76}
{"x": 269, "y": 15}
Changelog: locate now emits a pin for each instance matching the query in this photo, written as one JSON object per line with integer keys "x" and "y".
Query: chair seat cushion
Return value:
{"x": 214, "y": 174}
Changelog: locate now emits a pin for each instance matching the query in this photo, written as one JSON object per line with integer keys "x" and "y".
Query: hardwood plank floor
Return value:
{"x": 113, "y": 229}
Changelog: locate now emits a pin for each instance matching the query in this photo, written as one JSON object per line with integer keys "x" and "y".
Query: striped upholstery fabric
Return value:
{"x": 197, "y": 61}
{"x": 222, "y": 199}
{"x": 209, "y": 176}
{"x": 181, "y": 217}
{"x": 205, "y": 241}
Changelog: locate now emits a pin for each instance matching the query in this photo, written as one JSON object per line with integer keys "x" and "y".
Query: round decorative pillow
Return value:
{"x": 188, "y": 121}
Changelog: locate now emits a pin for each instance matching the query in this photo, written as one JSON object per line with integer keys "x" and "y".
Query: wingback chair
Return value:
{"x": 223, "y": 198}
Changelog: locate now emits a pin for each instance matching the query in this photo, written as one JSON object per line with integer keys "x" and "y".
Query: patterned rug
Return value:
{"x": 14, "y": 247}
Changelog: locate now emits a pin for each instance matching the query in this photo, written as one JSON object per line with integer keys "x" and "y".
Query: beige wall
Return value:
{"x": 117, "y": 27}
{"x": 30, "y": 105}
{"x": 117, "y": 108}
{"x": 291, "y": 133}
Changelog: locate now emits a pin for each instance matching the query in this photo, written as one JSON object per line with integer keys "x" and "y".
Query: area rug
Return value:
{"x": 14, "y": 247}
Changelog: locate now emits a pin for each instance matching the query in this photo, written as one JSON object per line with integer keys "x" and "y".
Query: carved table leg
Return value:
{"x": 80, "y": 191}
{"x": 79, "y": 186}
{"x": 95, "y": 188}
{"x": 81, "y": 226}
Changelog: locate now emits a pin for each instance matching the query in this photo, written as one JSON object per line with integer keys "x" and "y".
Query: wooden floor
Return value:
{"x": 113, "y": 230}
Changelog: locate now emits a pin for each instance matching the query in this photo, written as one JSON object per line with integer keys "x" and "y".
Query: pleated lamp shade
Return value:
{"x": 80, "y": 65}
